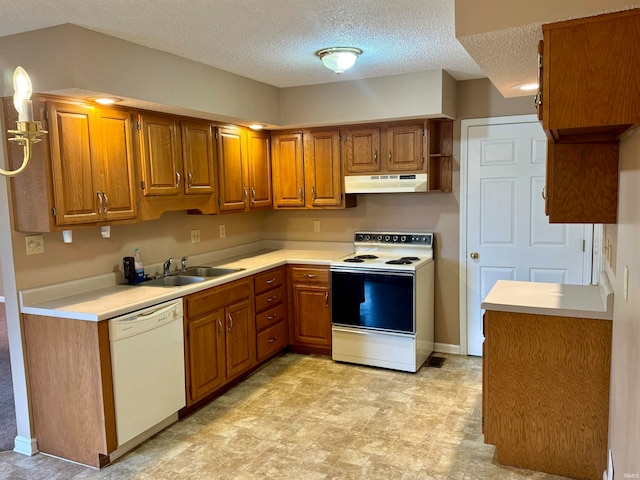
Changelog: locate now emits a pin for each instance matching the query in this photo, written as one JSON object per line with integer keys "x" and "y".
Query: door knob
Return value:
{"x": 474, "y": 255}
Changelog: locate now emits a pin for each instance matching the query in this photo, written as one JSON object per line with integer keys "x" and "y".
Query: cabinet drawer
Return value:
{"x": 214, "y": 298}
{"x": 269, "y": 299}
{"x": 317, "y": 274}
{"x": 270, "y": 317}
{"x": 271, "y": 340}
{"x": 267, "y": 280}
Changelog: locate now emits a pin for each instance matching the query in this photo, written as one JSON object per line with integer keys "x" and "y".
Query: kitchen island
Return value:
{"x": 546, "y": 363}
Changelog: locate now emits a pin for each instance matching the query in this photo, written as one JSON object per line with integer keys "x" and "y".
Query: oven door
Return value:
{"x": 373, "y": 299}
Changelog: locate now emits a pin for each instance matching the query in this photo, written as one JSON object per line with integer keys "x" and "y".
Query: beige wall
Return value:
{"x": 624, "y": 411}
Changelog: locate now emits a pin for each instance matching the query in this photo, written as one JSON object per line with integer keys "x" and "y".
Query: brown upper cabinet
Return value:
{"x": 177, "y": 165}
{"x": 307, "y": 170}
{"x": 83, "y": 172}
{"x": 588, "y": 97}
{"x": 244, "y": 169}
{"x": 590, "y": 68}
{"x": 405, "y": 147}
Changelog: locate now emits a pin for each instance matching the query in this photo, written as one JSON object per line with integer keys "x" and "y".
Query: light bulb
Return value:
{"x": 22, "y": 95}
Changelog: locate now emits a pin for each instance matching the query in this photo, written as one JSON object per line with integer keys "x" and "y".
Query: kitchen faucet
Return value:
{"x": 183, "y": 261}
{"x": 166, "y": 266}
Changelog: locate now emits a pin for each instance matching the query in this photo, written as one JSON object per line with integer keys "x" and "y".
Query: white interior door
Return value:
{"x": 508, "y": 235}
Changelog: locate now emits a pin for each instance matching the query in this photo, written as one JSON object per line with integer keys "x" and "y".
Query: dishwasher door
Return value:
{"x": 147, "y": 363}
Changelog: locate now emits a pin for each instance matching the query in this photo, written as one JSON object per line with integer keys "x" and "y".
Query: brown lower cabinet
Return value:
{"x": 220, "y": 337}
{"x": 546, "y": 392}
{"x": 311, "y": 308}
{"x": 71, "y": 388}
{"x": 271, "y": 312}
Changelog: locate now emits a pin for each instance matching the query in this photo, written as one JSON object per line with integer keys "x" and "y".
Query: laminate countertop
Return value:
{"x": 104, "y": 296}
{"x": 582, "y": 301}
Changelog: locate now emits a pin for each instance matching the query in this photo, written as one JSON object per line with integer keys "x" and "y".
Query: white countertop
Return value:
{"x": 582, "y": 301}
{"x": 100, "y": 298}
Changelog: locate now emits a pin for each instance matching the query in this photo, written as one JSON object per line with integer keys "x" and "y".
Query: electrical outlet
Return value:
{"x": 316, "y": 225}
{"x": 35, "y": 244}
{"x": 223, "y": 231}
{"x": 195, "y": 236}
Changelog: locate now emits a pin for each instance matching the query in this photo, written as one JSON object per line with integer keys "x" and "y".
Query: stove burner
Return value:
{"x": 353, "y": 260}
{"x": 413, "y": 259}
{"x": 366, "y": 257}
{"x": 399, "y": 261}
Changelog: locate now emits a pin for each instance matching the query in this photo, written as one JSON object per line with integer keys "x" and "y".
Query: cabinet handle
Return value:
{"x": 190, "y": 178}
{"x": 544, "y": 193}
{"x": 390, "y": 156}
{"x": 272, "y": 316}
{"x": 313, "y": 192}
{"x": 106, "y": 202}
{"x": 375, "y": 157}
{"x": 269, "y": 282}
{"x": 230, "y": 321}
{"x": 310, "y": 275}
{"x": 300, "y": 193}
{"x": 326, "y": 299}
{"x": 245, "y": 194}
{"x": 99, "y": 202}
{"x": 271, "y": 340}
{"x": 253, "y": 195}
{"x": 177, "y": 179}
{"x": 219, "y": 326}
{"x": 271, "y": 299}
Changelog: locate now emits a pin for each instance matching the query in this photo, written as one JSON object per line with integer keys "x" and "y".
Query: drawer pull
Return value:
{"x": 269, "y": 282}
{"x": 271, "y": 299}
{"x": 310, "y": 275}
{"x": 230, "y": 322}
{"x": 271, "y": 340}
{"x": 272, "y": 316}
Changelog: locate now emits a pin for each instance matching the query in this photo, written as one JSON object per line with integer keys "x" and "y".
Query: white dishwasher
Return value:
{"x": 147, "y": 362}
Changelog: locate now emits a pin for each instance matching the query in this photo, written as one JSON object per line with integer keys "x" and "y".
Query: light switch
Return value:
{"x": 195, "y": 236}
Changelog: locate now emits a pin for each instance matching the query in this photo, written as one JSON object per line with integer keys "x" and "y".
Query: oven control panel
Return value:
{"x": 395, "y": 238}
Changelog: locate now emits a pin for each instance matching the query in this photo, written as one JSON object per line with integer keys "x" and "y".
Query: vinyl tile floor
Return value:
{"x": 307, "y": 417}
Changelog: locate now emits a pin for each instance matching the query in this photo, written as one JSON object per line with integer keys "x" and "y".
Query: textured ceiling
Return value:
{"x": 272, "y": 41}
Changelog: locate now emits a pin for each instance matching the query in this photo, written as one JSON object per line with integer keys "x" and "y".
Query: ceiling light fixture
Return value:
{"x": 107, "y": 100}
{"x": 256, "y": 126}
{"x": 339, "y": 59}
{"x": 526, "y": 86}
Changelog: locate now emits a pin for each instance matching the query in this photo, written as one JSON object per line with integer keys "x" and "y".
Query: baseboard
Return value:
{"x": 25, "y": 446}
{"x": 447, "y": 348}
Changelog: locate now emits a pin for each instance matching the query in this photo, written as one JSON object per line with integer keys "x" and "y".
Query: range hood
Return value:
{"x": 394, "y": 183}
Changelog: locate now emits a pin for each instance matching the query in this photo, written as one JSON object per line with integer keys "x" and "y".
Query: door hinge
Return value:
{"x": 188, "y": 333}
{"x": 216, "y": 134}
{"x": 142, "y": 184}
{"x": 46, "y": 114}
{"x": 138, "y": 126}
{"x": 54, "y": 211}
{"x": 341, "y": 196}
{"x": 219, "y": 202}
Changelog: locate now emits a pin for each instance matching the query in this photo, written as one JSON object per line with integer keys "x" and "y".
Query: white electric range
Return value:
{"x": 382, "y": 301}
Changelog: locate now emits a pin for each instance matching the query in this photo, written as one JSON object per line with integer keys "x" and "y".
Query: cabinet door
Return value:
{"x": 198, "y": 154}
{"x": 240, "y": 338}
{"x": 232, "y": 188}
{"x": 259, "y": 169}
{"x": 405, "y": 149}
{"x": 206, "y": 355}
{"x": 323, "y": 178}
{"x": 75, "y": 164}
{"x": 312, "y": 315}
{"x": 288, "y": 170}
{"x": 117, "y": 185}
{"x": 361, "y": 150}
{"x": 160, "y": 156}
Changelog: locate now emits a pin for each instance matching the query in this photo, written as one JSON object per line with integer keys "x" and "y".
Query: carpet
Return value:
{"x": 8, "y": 430}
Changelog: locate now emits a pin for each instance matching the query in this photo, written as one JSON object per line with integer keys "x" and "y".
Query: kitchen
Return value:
{"x": 476, "y": 98}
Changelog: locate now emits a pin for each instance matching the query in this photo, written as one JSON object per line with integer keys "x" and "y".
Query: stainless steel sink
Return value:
{"x": 207, "y": 272}
{"x": 172, "y": 281}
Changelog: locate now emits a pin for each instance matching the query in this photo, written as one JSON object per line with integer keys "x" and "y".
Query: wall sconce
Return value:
{"x": 27, "y": 131}
{"x": 339, "y": 59}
